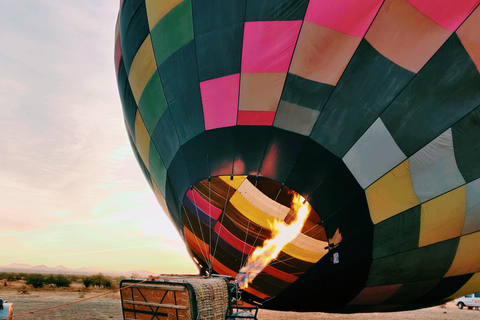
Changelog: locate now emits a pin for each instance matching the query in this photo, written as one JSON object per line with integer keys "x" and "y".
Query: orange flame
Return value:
{"x": 282, "y": 234}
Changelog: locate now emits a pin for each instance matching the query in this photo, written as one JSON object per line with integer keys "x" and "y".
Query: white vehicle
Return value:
{"x": 471, "y": 301}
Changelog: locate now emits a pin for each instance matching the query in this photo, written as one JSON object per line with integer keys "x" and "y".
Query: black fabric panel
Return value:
{"x": 178, "y": 175}
{"x": 444, "y": 91}
{"x": 289, "y": 264}
{"x": 179, "y": 78}
{"x": 227, "y": 258}
{"x": 312, "y": 166}
{"x": 133, "y": 29}
{"x": 306, "y": 93}
{"x": 430, "y": 262}
{"x": 466, "y": 145}
{"x": 268, "y": 284}
{"x": 397, "y": 234}
{"x": 350, "y": 220}
{"x": 444, "y": 289}
{"x": 250, "y": 142}
{"x": 276, "y": 10}
{"x": 129, "y": 104}
{"x": 337, "y": 190}
{"x": 281, "y": 154}
{"x": 164, "y": 137}
{"x": 409, "y": 292}
{"x": 327, "y": 286}
{"x": 368, "y": 85}
{"x": 218, "y": 28}
{"x": 196, "y": 158}
{"x": 221, "y": 148}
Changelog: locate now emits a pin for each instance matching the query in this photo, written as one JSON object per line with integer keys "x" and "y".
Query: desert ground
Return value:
{"x": 108, "y": 307}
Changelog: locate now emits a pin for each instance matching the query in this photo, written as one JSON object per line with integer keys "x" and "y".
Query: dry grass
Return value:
{"x": 109, "y": 307}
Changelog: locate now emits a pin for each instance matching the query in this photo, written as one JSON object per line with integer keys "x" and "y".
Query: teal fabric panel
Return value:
{"x": 367, "y": 86}
{"x": 466, "y": 143}
{"x": 133, "y": 29}
{"x": 165, "y": 138}
{"x": 218, "y": 28}
{"x": 425, "y": 263}
{"x": 442, "y": 93}
{"x": 398, "y": 234}
{"x": 182, "y": 91}
{"x": 157, "y": 168}
{"x": 276, "y": 10}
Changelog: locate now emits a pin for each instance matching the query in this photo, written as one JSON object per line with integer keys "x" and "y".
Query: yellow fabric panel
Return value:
{"x": 472, "y": 286}
{"x": 117, "y": 27}
{"x": 157, "y": 9}
{"x": 142, "y": 139}
{"x": 142, "y": 68}
{"x": 467, "y": 259}
{"x": 261, "y": 201}
{"x": 301, "y": 253}
{"x": 250, "y": 211}
{"x": 160, "y": 197}
{"x": 391, "y": 194}
{"x": 442, "y": 218}
{"x": 235, "y": 183}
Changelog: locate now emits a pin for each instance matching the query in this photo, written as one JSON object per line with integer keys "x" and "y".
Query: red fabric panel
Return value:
{"x": 280, "y": 274}
{"x": 255, "y": 118}
{"x": 447, "y": 13}
{"x": 352, "y": 17}
{"x": 203, "y": 204}
{"x": 118, "y": 54}
{"x": 238, "y": 244}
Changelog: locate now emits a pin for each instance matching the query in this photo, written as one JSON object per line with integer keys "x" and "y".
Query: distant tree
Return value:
{"x": 98, "y": 280}
{"x": 35, "y": 280}
{"x": 58, "y": 280}
{"x": 87, "y": 282}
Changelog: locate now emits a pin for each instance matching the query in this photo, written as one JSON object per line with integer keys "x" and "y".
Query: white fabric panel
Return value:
{"x": 434, "y": 170}
{"x": 310, "y": 244}
{"x": 295, "y": 118}
{"x": 472, "y": 215}
{"x": 373, "y": 155}
{"x": 261, "y": 201}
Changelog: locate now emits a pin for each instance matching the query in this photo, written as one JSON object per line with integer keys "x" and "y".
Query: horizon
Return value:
{"x": 71, "y": 191}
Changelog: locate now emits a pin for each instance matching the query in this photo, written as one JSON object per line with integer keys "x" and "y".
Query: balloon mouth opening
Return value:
{"x": 226, "y": 217}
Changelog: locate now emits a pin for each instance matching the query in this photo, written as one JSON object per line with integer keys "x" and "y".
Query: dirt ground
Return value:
{"x": 109, "y": 307}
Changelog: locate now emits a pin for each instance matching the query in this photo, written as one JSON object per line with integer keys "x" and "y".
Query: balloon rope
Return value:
{"x": 221, "y": 222}
{"x": 75, "y": 302}
{"x": 196, "y": 238}
{"x": 208, "y": 261}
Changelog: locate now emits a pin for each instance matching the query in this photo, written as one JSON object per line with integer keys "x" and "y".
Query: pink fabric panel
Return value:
{"x": 118, "y": 54}
{"x": 447, "y": 13}
{"x": 220, "y": 101}
{"x": 232, "y": 240}
{"x": 268, "y": 45}
{"x": 255, "y": 118}
{"x": 279, "y": 274}
{"x": 352, "y": 17}
{"x": 206, "y": 207}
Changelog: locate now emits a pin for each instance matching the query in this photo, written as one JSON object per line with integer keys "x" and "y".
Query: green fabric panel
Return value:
{"x": 397, "y": 234}
{"x": 429, "y": 262}
{"x": 173, "y": 31}
{"x": 157, "y": 168}
{"x": 152, "y": 103}
{"x": 466, "y": 145}
{"x": 165, "y": 138}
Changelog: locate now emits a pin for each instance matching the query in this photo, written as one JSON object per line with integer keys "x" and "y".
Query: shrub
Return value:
{"x": 98, "y": 280}
{"x": 35, "y": 280}
{"x": 59, "y": 280}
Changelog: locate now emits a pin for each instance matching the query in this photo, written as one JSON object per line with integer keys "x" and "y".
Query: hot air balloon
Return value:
{"x": 368, "y": 109}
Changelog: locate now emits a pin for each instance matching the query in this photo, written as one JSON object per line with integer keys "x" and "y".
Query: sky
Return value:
{"x": 71, "y": 191}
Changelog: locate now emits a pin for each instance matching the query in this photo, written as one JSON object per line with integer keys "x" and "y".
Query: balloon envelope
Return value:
{"x": 369, "y": 109}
